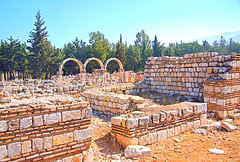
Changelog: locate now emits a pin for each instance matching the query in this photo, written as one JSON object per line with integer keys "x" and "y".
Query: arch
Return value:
{"x": 95, "y": 59}
{"x": 113, "y": 59}
{"x": 80, "y": 64}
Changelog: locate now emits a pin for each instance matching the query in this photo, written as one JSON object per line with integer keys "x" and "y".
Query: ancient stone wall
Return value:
{"x": 47, "y": 128}
{"x": 157, "y": 124}
{"x": 203, "y": 76}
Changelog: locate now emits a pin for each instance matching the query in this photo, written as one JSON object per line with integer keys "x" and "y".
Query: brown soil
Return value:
{"x": 192, "y": 147}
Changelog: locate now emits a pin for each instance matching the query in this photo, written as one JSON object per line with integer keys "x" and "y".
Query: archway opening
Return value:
{"x": 71, "y": 68}
{"x": 112, "y": 67}
{"x": 92, "y": 65}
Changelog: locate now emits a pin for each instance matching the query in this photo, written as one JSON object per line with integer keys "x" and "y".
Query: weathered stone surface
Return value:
{"x": 37, "y": 121}
{"x": 170, "y": 132}
{"x": 3, "y": 126}
{"x": 144, "y": 140}
{"x": 62, "y": 138}
{"x": 143, "y": 121}
{"x": 137, "y": 99}
{"x": 52, "y": 118}
{"x": 88, "y": 156}
{"x": 37, "y": 144}
{"x": 227, "y": 126}
{"x": 136, "y": 151}
{"x": 126, "y": 141}
{"x": 222, "y": 114}
{"x": 14, "y": 149}
{"x": 202, "y": 132}
{"x": 153, "y": 138}
{"x": 117, "y": 120}
{"x": 212, "y": 126}
{"x": 3, "y": 151}
{"x": 162, "y": 135}
{"x": 81, "y": 135}
{"x": 75, "y": 158}
{"x": 47, "y": 142}
{"x": 13, "y": 124}
{"x": 123, "y": 100}
{"x": 26, "y": 146}
{"x": 71, "y": 115}
{"x": 25, "y": 123}
{"x": 131, "y": 123}
{"x": 87, "y": 113}
{"x": 155, "y": 118}
{"x": 203, "y": 119}
{"x": 228, "y": 121}
{"x": 216, "y": 151}
{"x": 162, "y": 116}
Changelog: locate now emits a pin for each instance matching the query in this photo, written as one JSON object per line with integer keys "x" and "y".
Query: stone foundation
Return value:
{"x": 45, "y": 129}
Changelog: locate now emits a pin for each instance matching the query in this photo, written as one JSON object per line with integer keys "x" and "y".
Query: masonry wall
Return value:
{"x": 203, "y": 76}
{"x": 33, "y": 132}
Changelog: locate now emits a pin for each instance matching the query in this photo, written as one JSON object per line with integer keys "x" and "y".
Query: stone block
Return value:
{"x": 126, "y": 141}
{"x": 3, "y": 126}
{"x": 14, "y": 149}
{"x": 153, "y": 138}
{"x": 13, "y": 124}
{"x": 187, "y": 111}
{"x": 75, "y": 158}
{"x": 52, "y": 118}
{"x": 123, "y": 100}
{"x": 168, "y": 116}
{"x": 143, "y": 121}
{"x": 222, "y": 114}
{"x": 71, "y": 115}
{"x": 155, "y": 118}
{"x": 183, "y": 128}
{"x": 170, "y": 132}
{"x": 47, "y": 142}
{"x": 117, "y": 120}
{"x": 81, "y": 135}
{"x": 177, "y": 130}
{"x": 137, "y": 99}
{"x": 162, "y": 135}
{"x": 136, "y": 151}
{"x": 203, "y": 119}
{"x": 25, "y": 123}
{"x": 37, "y": 121}
{"x": 189, "y": 125}
{"x": 26, "y": 146}
{"x": 62, "y": 138}
{"x": 3, "y": 151}
{"x": 196, "y": 124}
{"x": 131, "y": 122}
{"x": 227, "y": 126}
{"x": 87, "y": 113}
{"x": 162, "y": 116}
{"x": 144, "y": 140}
{"x": 37, "y": 144}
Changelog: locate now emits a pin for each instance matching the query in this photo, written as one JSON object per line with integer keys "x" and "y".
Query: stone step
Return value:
{"x": 235, "y": 116}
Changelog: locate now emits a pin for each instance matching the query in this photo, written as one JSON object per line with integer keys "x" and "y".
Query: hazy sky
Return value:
{"x": 170, "y": 20}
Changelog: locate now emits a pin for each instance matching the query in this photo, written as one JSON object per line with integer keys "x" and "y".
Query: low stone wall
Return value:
{"x": 155, "y": 124}
{"x": 46, "y": 129}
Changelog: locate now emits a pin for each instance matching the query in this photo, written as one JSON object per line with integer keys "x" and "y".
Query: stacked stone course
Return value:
{"x": 44, "y": 129}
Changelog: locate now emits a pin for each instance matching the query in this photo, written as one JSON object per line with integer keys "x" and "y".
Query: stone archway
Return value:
{"x": 113, "y": 59}
{"x": 80, "y": 64}
{"x": 95, "y": 59}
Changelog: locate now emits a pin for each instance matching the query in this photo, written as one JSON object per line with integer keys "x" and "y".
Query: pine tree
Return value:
{"x": 120, "y": 51}
{"x": 40, "y": 49}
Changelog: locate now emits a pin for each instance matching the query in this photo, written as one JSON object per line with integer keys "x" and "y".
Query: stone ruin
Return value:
{"x": 50, "y": 120}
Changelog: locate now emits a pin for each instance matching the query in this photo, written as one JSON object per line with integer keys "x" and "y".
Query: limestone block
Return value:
{"x": 123, "y": 100}
{"x": 196, "y": 124}
{"x": 222, "y": 114}
{"x": 3, "y": 126}
{"x": 143, "y": 121}
{"x": 187, "y": 111}
{"x": 87, "y": 113}
{"x": 25, "y": 123}
{"x": 81, "y": 135}
{"x": 37, "y": 121}
{"x": 137, "y": 99}
{"x": 26, "y": 146}
{"x": 177, "y": 130}
{"x": 62, "y": 138}
{"x": 170, "y": 132}
{"x": 189, "y": 125}
{"x": 134, "y": 151}
{"x": 75, "y": 158}
{"x": 155, "y": 118}
{"x": 162, "y": 116}
{"x": 37, "y": 144}
{"x": 168, "y": 116}
{"x": 144, "y": 140}
{"x": 203, "y": 119}
{"x": 101, "y": 97}
{"x": 13, "y": 124}
{"x": 162, "y": 135}
{"x": 126, "y": 141}
{"x": 14, "y": 149}
{"x": 52, "y": 118}
{"x": 131, "y": 122}
{"x": 183, "y": 128}
{"x": 3, "y": 151}
{"x": 117, "y": 120}
{"x": 153, "y": 138}
{"x": 47, "y": 142}
{"x": 227, "y": 126}
{"x": 71, "y": 115}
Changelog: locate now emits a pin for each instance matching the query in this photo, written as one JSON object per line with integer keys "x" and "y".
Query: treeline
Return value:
{"x": 38, "y": 58}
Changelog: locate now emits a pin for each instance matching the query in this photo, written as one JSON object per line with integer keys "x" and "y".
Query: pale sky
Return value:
{"x": 170, "y": 20}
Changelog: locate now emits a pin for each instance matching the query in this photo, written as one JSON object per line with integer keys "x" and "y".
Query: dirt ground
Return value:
{"x": 191, "y": 147}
